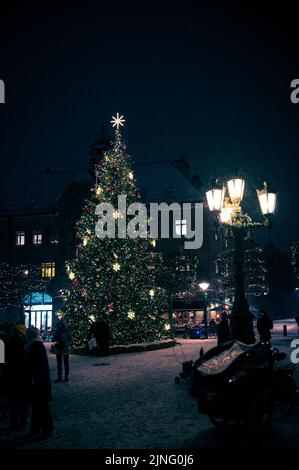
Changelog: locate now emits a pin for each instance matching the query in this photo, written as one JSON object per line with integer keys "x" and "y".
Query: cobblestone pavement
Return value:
{"x": 131, "y": 401}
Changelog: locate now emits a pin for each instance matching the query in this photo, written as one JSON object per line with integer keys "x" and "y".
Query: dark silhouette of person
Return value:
{"x": 188, "y": 328}
{"x": 63, "y": 340}
{"x": 223, "y": 330}
{"x": 101, "y": 332}
{"x": 40, "y": 388}
{"x": 212, "y": 327}
{"x": 17, "y": 379}
{"x": 264, "y": 326}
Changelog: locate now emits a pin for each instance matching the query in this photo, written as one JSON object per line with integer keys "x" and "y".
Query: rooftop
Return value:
{"x": 158, "y": 182}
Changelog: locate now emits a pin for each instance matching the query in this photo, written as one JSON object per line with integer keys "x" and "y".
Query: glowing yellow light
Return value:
{"x": 215, "y": 198}
{"x": 167, "y": 327}
{"x": 267, "y": 200}
{"x": 236, "y": 189}
{"x": 99, "y": 191}
{"x": 85, "y": 241}
{"x": 131, "y": 314}
{"x": 117, "y": 121}
{"x": 152, "y": 293}
{"x": 131, "y": 176}
{"x": 115, "y": 214}
{"x": 116, "y": 266}
{"x": 59, "y": 314}
{"x": 92, "y": 318}
{"x": 226, "y": 215}
{"x": 71, "y": 275}
{"x": 153, "y": 243}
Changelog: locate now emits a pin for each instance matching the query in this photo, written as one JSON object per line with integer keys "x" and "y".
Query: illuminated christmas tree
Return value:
{"x": 116, "y": 277}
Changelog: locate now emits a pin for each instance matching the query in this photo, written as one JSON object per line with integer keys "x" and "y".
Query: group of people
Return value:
{"x": 27, "y": 379}
{"x": 222, "y": 330}
{"x": 264, "y": 326}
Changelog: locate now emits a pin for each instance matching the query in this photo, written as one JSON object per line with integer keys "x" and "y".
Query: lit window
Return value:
{"x": 20, "y": 238}
{"x": 48, "y": 270}
{"x": 181, "y": 227}
{"x": 54, "y": 237}
{"x": 37, "y": 237}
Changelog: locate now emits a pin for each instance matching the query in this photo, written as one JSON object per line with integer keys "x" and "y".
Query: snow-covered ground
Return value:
{"x": 131, "y": 401}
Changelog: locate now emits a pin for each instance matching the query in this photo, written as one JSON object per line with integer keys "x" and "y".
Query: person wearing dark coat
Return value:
{"x": 63, "y": 340}
{"x": 101, "y": 332}
{"x": 17, "y": 379}
{"x": 223, "y": 331}
{"x": 264, "y": 326}
{"x": 40, "y": 388}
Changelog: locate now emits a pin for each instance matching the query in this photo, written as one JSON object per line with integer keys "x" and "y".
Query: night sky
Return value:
{"x": 212, "y": 84}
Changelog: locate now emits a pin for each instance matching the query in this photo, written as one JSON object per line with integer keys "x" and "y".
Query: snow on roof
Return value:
{"x": 162, "y": 181}
{"x": 157, "y": 182}
{"x": 40, "y": 193}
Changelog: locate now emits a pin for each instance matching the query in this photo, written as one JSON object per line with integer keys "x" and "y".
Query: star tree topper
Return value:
{"x": 117, "y": 121}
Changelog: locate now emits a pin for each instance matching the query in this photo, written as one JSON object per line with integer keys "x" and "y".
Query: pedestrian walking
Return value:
{"x": 63, "y": 340}
{"x": 223, "y": 329}
{"x": 264, "y": 326}
{"x": 40, "y": 386}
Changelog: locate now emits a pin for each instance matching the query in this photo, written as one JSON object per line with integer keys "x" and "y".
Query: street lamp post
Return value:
{"x": 230, "y": 215}
{"x": 204, "y": 287}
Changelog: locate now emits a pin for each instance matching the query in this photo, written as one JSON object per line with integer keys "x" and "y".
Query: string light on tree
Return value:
{"x": 71, "y": 275}
{"x": 116, "y": 267}
{"x": 152, "y": 293}
{"x": 131, "y": 176}
{"x": 131, "y": 314}
{"x": 99, "y": 191}
{"x": 167, "y": 327}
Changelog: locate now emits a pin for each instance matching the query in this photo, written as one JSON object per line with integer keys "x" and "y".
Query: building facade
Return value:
{"x": 38, "y": 226}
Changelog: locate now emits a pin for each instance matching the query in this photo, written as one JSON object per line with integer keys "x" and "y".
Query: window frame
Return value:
{"x": 37, "y": 237}
{"x": 48, "y": 270}
{"x": 181, "y": 227}
{"x": 19, "y": 236}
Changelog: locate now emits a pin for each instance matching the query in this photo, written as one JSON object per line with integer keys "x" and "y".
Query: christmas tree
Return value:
{"x": 116, "y": 277}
